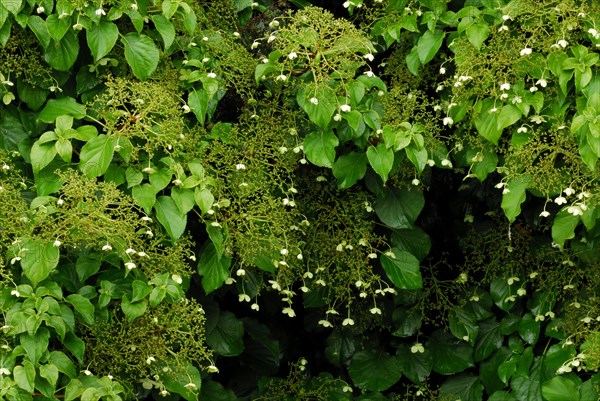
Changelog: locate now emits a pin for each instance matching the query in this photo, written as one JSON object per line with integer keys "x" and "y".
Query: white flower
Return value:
{"x": 281, "y": 77}
{"x": 240, "y": 166}
{"x": 372, "y": 256}
{"x": 541, "y": 82}
{"x": 57, "y": 243}
{"x": 177, "y": 278}
{"x": 275, "y": 285}
{"x": 107, "y": 248}
{"x": 15, "y": 293}
{"x": 40, "y": 9}
{"x": 517, "y": 100}
{"x": 337, "y": 117}
{"x": 321, "y": 282}
{"x": 150, "y": 359}
{"x": 544, "y": 214}
{"x": 211, "y": 75}
{"x": 560, "y": 200}
{"x": 562, "y": 43}
{"x": 288, "y": 311}
{"x": 345, "y": 107}
{"x": 575, "y": 210}
{"x": 4, "y": 372}
{"x": 190, "y": 386}
{"x": 533, "y": 89}
{"x": 347, "y": 4}
{"x": 521, "y": 292}
{"x": 446, "y": 163}
{"x": 537, "y": 119}
{"x": 255, "y": 307}
{"x": 273, "y": 24}
{"x": 569, "y": 191}
{"x": 100, "y": 12}
{"x": 512, "y": 280}
{"x": 506, "y": 17}
{"x": 369, "y": 57}
{"x": 87, "y": 373}
{"x": 148, "y": 170}
{"x": 254, "y": 45}
{"x": 325, "y": 323}
{"x": 504, "y": 96}
{"x": 448, "y": 121}
{"x": 271, "y": 38}
{"x": 417, "y": 348}
{"x": 442, "y": 70}
{"x": 369, "y": 74}
{"x": 586, "y": 319}
{"x": 505, "y": 86}
{"x": 522, "y": 130}
{"x": 375, "y": 311}
{"x": 130, "y": 265}
{"x": 457, "y": 84}
{"x": 525, "y": 52}
{"x": 244, "y": 298}
{"x": 130, "y": 251}
{"x": 348, "y": 322}
{"x": 314, "y": 100}
{"x": 503, "y": 28}
{"x": 186, "y": 108}
{"x": 134, "y": 6}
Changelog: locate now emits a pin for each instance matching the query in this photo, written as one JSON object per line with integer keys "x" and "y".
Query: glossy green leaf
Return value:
{"x": 57, "y": 27}
{"x": 213, "y": 267}
{"x": 560, "y": 388}
{"x": 449, "y": 354}
{"x": 24, "y": 376}
{"x": 63, "y": 363}
{"x": 349, "y": 168}
{"x": 170, "y": 217}
{"x": 96, "y": 155}
{"x": 563, "y": 227}
{"x": 319, "y": 102}
{"x": 399, "y": 208}
{"x": 39, "y": 28}
{"x": 133, "y": 310}
{"x": 319, "y": 148}
{"x": 58, "y": 107}
{"x": 374, "y": 370}
{"x": 477, "y": 33}
{"x": 35, "y": 345}
{"x": 381, "y": 160}
{"x": 488, "y": 341}
{"x": 141, "y": 54}
{"x": 61, "y": 55}
{"x": 429, "y": 44}
{"x": 41, "y": 155}
{"x": 513, "y": 196}
{"x": 101, "y": 38}
{"x": 415, "y": 366}
{"x": 466, "y": 387}
{"x": 226, "y": 338}
{"x": 39, "y": 260}
{"x": 165, "y": 28}
{"x": 145, "y": 196}
{"x": 83, "y": 306}
{"x": 402, "y": 268}
{"x": 198, "y": 102}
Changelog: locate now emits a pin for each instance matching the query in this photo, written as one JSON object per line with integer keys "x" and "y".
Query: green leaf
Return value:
{"x": 400, "y": 208}
{"x": 381, "y": 160}
{"x": 39, "y": 28}
{"x": 75, "y": 345}
{"x": 406, "y": 322}
{"x": 141, "y": 54}
{"x": 39, "y": 260}
{"x": 402, "y": 268}
{"x": 349, "y": 168}
{"x": 133, "y": 310}
{"x": 486, "y": 121}
{"x": 24, "y": 376}
{"x": 376, "y": 371}
{"x": 466, "y": 387}
{"x": 83, "y": 306}
{"x": 514, "y": 194}
{"x": 560, "y": 388}
{"x": 204, "y": 199}
{"x": 319, "y": 148}
{"x": 477, "y": 33}
{"x": 429, "y": 44}
{"x": 57, "y": 27}
{"x": 449, "y": 354}
{"x": 529, "y": 329}
{"x": 226, "y": 337}
{"x": 213, "y": 267}
{"x": 50, "y": 373}
{"x": 165, "y": 28}
{"x": 96, "y": 155}
{"x": 14, "y": 6}
{"x": 563, "y": 227}
{"x": 41, "y": 155}
{"x": 64, "y": 149}
{"x": 412, "y": 240}
{"x": 184, "y": 199}
{"x": 418, "y": 156}
{"x": 509, "y": 115}
{"x": 63, "y": 363}
{"x": 35, "y": 345}
{"x": 488, "y": 341}
{"x": 319, "y": 102}
{"x": 463, "y": 324}
{"x": 61, "y": 55}
{"x": 141, "y": 289}
{"x": 101, "y": 38}
{"x": 198, "y": 102}
{"x": 176, "y": 382}
{"x": 63, "y": 106}
{"x": 145, "y": 196}
{"x": 416, "y": 366}
{"x": 169, "y": 216}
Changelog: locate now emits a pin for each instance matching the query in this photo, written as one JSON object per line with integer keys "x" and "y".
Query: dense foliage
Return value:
{"x": 299, "y": 200}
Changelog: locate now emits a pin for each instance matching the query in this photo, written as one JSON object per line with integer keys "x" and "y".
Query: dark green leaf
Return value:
{"x": 488, "y": 341}
{"x": 35, "y": 345}
{"x": 213, "y": 268}
{"x": 563, "y": 227}
{"x": 61, "y": 55}
{"x": 57, "y": 27}
{"x": 133, "y": 310}
{"x": 402, "y": 268}
{"x": 376, "y": 371}
{"x": 226, "y": 338}
{"x": 83, "y": 306}
{"x": 449, "y": 354}
{"x": 39, "y": 260}
{"x": 349, "y": 168}
{"x": 511, "y": 200}
{"x": 429, "y": 44}
{"x": 381, "y": 160}
{"x": 101, "y": 38}
{"x": 416, "y": 366}
{"x": 141, "y": 54}
{"x": 560, "y": 388}
{"x": 165, "y": 28}
{"x": 170, "y": 217}
{"x": 466, "y": 387}
{"x": 399, "y": 208}
{"x": 39, "y": 28}
{"x": 63, "y": 106}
